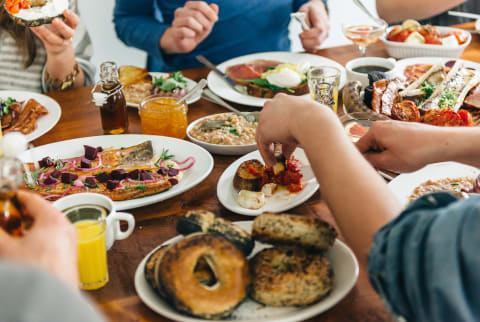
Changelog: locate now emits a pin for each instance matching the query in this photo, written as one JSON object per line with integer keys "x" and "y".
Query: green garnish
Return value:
{"x": 36, "y": 174}
{"x": 126, "y": 188}
{"x": 448, "y": 98}
{"x": 64, "y": 186}
{"x": 168, "y": 84}
{"x": 141, "y": 187}
{"x": 169, "y": 166}
{"x": 58, "y": 164}
{"x": 48, "y": 189}
{"x": 5, "y": 105}
{"x": 163, "y": 156}
{"x": 428, "y": 88}
{"x": 454, "y": 184}
{"x": 266, "y": 84}
{"x": 234, "y": 131}
{"x": 122, "y": 148}
{"x": 29, "y": 186}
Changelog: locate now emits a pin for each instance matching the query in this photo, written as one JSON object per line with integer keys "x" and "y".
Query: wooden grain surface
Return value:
{"x": 156, "y": 223}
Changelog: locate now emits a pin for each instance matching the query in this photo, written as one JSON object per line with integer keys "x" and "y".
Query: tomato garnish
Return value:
{"x": 14, "y": 6}
{"x": 401, "y": 36}
{"x": 445, "y": 117}
{"x": 432, "y": 40}
{"x": 460, "y": 35}
{"x": 466, "y": 118}
{"x": 293, "y": 187}
{"x": 254, "y": 171}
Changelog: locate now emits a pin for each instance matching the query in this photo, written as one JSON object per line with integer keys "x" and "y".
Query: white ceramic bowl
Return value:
{"x": 220, "y": 148}
{"x": 352, "y": 75}
{"x": 403, "y": 50}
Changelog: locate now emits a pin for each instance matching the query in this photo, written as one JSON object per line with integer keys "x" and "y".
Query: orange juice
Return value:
{"x": 92, "y": 253}
{"x": 163, "y": 116}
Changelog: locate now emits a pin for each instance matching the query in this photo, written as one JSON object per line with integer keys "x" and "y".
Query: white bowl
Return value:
{"x": 402, "y": 50}
{"x": 220, "y": 148}
{"x": 352, "y": 75}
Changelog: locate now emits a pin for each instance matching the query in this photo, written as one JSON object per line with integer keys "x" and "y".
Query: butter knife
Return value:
{"x": 217, "y": 71}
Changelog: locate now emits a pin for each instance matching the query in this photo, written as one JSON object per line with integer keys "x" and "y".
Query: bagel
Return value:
{"x": 206, "y": 222}
{"x": 283, "y": 276}
{"x": 294, "y": 230}
{"x": 186, "y": 293}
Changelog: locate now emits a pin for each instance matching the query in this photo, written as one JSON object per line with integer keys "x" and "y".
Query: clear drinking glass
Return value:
{"x": 364, "y": 34}
{"x": 324, "y": 83}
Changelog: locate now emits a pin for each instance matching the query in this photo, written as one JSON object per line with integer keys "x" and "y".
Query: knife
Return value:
{"x": 217, "y": 71}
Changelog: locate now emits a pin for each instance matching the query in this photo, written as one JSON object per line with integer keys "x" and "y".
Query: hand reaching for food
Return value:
{"x": 317, "y": 20}
{"x": 50, "y": 244}
{"x": 191, "y": 25}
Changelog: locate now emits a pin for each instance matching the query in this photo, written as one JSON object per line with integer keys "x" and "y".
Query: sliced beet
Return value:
{"x": 118, "y": 174}
{"x": 173, "y": 181}
{"x": 450, "y": 63}
{"x": 134, "y": 175}
{"x": 172, "y": 172}
{"x": 90, "y": 152}
{"x": 56, "y": 174}
{"x": 69, "y": 177}
{"x": 99, "y": 149}
{"x": 145, "y": 176}
{"x": 162, "y": 171}
{"x": 50, "y": 180}
{"x": 45, "y": 162}
{"x": 85, "y": 163}
{"x": 112, "y": 184}
{"x": 90, "y": 182}
{"x": 103, "y": 177}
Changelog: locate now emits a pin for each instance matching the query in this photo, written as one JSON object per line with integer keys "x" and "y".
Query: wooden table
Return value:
{"x": 156, "y": 223}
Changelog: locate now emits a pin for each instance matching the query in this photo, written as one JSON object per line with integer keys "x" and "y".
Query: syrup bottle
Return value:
{"x": 11, "y": 178}
{"x": 110, "y": 99}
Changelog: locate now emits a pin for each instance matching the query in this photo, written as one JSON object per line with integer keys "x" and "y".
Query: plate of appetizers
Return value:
{"x": 263, "y": 75}
{"x": 32, "y": 114}
{"x": 201, "y": 292}
{"x": 411, "y": 39}
{"x": 457, "y": 178}
{"x": 246, "y": 187}
{"x": 133, "y": 170}
{"x": 138, "y": 83}
{"x": 224, "y": 133}
{"x": 435, "y": 91}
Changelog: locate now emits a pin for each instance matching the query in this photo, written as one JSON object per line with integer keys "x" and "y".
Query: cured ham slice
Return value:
{"x": 250, "y": 70}
{"x": 26, "y": 120}
{"x": 390, "y": 96}
{"x": 379, "y": 88}
{"x": 473, "y": 98}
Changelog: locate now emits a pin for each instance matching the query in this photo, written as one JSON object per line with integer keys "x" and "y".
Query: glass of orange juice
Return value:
{"x": 163, "y": 116}
{"x": 90, "y": 223}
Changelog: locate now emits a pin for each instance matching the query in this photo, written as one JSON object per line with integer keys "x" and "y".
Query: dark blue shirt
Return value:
{"x": 426, "y": 263}
{"x": 243, "y": 27}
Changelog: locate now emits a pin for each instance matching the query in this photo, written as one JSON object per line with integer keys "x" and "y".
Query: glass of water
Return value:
{"x": 324, "y": 82}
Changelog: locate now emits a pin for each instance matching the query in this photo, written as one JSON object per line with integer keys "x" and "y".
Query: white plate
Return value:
{"x": 403, "y": 63}
{"x": 180, "y": 148}
{"x": 190, "y": 84}
{"x": 279, "y": 202}
{"x": 403, "y": 50}
{"x": 404, "y": 184}
{"x": 344, "y": 265}
{"x": 44, "y": 123}
{"x": 219, "y": 148}
{"x": 220, "y": 87}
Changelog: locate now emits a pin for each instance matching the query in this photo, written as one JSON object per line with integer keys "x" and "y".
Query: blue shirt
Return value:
{"x": 243, "y": 27}
{"x": 426, "y": 263}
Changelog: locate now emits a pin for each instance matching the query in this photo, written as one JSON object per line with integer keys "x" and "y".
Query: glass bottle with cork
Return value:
{"x": 110, "y": 99}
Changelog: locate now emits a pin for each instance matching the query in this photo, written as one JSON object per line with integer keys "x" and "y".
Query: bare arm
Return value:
{"x": 357, "y": 196}
{"x": 394, "y": 11}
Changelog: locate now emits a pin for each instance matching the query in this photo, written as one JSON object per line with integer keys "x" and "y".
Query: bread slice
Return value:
{"x": 257, "y": 91}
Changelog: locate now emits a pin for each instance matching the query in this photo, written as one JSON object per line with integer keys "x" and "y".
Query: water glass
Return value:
{"x": 324, "y": 83}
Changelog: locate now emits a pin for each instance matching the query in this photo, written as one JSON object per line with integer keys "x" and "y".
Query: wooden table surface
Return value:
{"x": 156, "y": 223}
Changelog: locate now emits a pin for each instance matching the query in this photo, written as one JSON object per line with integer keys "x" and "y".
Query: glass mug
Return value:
{"x": 324, "y": 83}
{"x": 163, "y": 116}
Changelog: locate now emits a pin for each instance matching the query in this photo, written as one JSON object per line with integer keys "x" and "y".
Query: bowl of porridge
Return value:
{"x": 224, "y": 133}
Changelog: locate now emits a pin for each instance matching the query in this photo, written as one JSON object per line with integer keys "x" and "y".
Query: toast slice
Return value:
{"x": 263, "y": 92}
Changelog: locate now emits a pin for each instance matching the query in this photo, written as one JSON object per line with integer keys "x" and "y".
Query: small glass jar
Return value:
{"x": 161, "y": 115}
{"x": 324, "y": 83}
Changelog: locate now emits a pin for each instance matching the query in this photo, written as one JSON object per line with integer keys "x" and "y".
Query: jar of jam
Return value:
{"x": 110, "y": 99}
{"x": 163, "y": 116}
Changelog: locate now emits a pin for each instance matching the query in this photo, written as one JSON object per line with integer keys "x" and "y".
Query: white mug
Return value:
{"x": 113, "y": 217}
{"x": 388, "y": 63}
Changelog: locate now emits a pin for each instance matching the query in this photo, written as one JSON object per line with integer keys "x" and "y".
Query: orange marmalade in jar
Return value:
{"x": 163, "y": 116}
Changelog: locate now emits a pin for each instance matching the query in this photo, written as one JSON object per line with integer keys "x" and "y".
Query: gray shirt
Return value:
{"x": 471, "y": 6}
{"x": 28, "y": 294}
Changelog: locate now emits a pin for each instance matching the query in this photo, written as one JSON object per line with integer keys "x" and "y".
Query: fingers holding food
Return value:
{"x": 71, "y": 19}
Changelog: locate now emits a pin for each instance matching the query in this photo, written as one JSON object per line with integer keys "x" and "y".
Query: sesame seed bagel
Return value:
{"x": 184, "y": 290}
{"x": 283, "y": 276}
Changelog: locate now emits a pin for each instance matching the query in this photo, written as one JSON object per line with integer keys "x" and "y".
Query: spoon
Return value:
{"x": 201, "y": 84}
{"x": 371, "y": 15}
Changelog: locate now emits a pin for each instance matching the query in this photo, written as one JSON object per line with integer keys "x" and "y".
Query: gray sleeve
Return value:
{"x": 28, "y": 294}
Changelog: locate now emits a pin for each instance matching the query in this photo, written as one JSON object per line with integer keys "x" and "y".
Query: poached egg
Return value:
{"x": 286, "y": 75}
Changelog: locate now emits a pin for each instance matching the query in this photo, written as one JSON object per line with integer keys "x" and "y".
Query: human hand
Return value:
{"x": 191, "y": 25}
{"x": 50, "y": 244}
{"x": 57, "y": 37}
{"x": 317, "y": 19}
{"x": 402, "y": 146}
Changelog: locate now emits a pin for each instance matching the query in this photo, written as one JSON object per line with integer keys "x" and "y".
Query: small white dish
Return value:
{"x": 404, "y": 185}
{"x": 219, "y": 148}
{"x": 45, "y": 122}
{"x": 279, "y": 202}
{"x": 402, "y": 50}
{"x": 190, "y": 85}
{"x": 181, "y": 149}
{"x": 388, "y": 63}
{"x": 344, "y": 265}
{"x": 220, "y": 87}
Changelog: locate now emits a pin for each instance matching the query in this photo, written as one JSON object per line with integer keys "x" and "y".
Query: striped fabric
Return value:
{"x": 13, "y": 74}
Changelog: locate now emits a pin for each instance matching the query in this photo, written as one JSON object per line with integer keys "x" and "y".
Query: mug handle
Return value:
{"x": 119, "y": 235}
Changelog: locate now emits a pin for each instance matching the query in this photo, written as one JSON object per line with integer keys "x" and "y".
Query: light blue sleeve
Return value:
{"x": 426, "y": 263}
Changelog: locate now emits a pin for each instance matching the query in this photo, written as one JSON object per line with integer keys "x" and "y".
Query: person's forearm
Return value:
{"x": 396, "y": 11}
{"x": 357, "y": 196}
{"x": 460, "y": 144}
{"x": 60, "y": 66}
